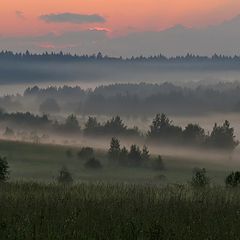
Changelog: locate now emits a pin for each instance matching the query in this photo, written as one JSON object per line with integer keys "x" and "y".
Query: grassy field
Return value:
{"x": 117, "y": 211}
{"x": 113, "y": 202}
{"x": 38, "y": 162}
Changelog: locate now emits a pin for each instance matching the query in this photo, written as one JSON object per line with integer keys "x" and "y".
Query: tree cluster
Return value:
{"x": 114, "y": 126}
{"x": 134, "y": 157}
{"x": 221, "y": 137}
{"x": 162, "y": 130}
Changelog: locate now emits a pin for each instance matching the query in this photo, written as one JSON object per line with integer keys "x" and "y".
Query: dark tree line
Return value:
{"x": 60, "y": 56}
{"x": 129, "y": 99}
{"x": 25, "y": 119}
{"x": 114, "y": 126}
{"x": 162, "y": 130}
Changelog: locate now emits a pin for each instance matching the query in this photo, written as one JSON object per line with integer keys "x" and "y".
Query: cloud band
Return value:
{"x": 72, "y": 18}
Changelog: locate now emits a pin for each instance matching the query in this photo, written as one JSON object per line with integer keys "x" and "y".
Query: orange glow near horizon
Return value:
{"x": 122, "y": 16}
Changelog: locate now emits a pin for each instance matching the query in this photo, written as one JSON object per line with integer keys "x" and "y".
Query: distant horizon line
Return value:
{"x": 100, "y": 56}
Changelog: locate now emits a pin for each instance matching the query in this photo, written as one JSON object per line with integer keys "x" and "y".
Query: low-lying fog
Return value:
{"x": 14, "y": 78}
{"x": 92, "y": 77}
{"x": 177, "y": 153}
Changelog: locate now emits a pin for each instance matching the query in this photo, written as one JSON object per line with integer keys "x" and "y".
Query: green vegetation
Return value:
{"x": 114, "y": 126}
{"x": 200, "y": 179}
{"x": 64, "y": 176}
{"x": 41, "y": 162}
{"x": 162, "y": 130}
{"x": 117, "y": 211}
{"x": 135, "y": 157}
{"x": 4, "y": 172}
{"x": 233, "y": 179}
{"x": 221, "y": 137}
{"x": 128, "y": 99}
{"x": 81, "y": 202}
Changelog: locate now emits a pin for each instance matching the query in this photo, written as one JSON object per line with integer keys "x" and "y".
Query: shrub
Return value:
{"x": 158, "y": 163}
{"x": 199, "y": 178}
{"x": 65, "y": 176}
{"x": 93, "y": 163}
{"x": 4, "y": 169}
{"x": 86, "y": 153}
{"x": 233, "y": 179}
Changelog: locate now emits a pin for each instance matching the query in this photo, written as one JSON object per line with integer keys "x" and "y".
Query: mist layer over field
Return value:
{"x": 136, "y": 91}
{"x": 191, "y": 155}
{"x": 16, "y": 76}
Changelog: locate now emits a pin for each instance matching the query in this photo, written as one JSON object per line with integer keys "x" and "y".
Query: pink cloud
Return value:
{"x": 100, "y": 29}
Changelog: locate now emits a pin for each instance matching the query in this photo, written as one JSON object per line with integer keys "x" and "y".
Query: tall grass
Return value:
{"x": 117, "y": 211}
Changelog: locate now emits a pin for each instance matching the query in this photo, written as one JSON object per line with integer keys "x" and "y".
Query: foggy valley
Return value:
{"x": 119, "y": 120}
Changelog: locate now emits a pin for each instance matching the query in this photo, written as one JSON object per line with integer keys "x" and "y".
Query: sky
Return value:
{"x": 28, "y": 20}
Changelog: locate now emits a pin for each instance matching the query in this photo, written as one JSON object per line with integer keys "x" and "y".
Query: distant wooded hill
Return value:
{"x": 60, "y": 56}
{"x": 134, "y": 100}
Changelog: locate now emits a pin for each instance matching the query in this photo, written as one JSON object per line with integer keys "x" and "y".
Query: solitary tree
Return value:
{"x": 114, "y": 150}
{"x": 4, "y": 169}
